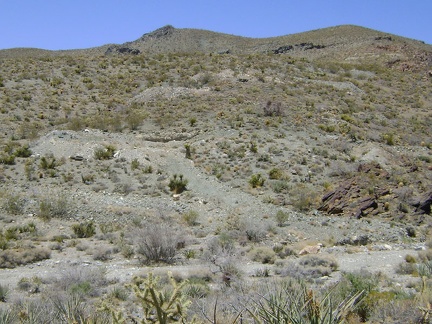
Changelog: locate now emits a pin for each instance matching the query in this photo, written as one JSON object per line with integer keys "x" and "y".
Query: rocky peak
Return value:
{"x": 158, "y": 33}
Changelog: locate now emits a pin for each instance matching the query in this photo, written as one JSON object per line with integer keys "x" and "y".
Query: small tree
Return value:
{"x": 177, "y": 184}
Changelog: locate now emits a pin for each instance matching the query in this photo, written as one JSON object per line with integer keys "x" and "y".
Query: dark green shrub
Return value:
{"x": 281, "y": 218}
{"x": 83, "y": 230}
{"x": 48, "y": 162}
{"x": 49, "y": 208}
{"x": 23, "y": 151}
{"x": 263, "y": 254}
{"x": 177, "y": 184}
{"x": 275, "y": 174}
{"x": 256, "y": 180}
{"x": 135, "y": 164}
{"x": 105, "y": 153}
{"x": 14, "y": 204}
{"x": 190, "y": 217}
{"x": 7, "y": 159}
{"x": 4, "y": 292}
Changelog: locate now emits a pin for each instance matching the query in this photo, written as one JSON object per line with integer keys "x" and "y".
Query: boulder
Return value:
{"x": 311, "y": 249}
{"x": 424, "y": 206}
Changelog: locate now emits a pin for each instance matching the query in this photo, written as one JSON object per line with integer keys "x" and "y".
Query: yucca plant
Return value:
{"x": 295, "y": 304}
{"x": 177, "y": 184}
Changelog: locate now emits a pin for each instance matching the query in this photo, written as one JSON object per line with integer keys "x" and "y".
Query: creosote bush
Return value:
{"x": 84, "y": 230}
{"x": 105, "y": 153}
{"x": 190, "y": 217}
{"x": 156, "y": 243}
{"x": 256, "y": 181}
{"x": 281, "y": 218}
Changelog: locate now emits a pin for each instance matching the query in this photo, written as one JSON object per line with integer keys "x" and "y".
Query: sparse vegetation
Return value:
{"x": 281, "y": 147}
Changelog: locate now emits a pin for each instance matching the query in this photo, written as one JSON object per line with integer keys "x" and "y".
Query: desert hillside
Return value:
{"x": 233, "y": 164}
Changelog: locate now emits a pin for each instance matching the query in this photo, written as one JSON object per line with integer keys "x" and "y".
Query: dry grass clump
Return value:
{"x": 263, "y": 254}
{"x": 308, "y": 267}
{"x": 12, "y": 258}
{"x": 157, "y": 243}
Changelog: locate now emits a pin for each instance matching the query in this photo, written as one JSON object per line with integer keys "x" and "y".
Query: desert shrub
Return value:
{"x": 221, "y": 245}
{"x": 102, "y": 254}
{"x": 7, "y": 316}
{"x": 88, "y": 178}
{"x": 13, "y": 203}
{"x": 4, "y": 292}
{"x": 196, "y": 289}
{"x": 163, "y": 306}
{"x": 425, "y": 269}
{"x": 281, "y": 217}
{"x": 280, "y": 186}
{"x": 303, "y": 197}
{"x": 8, "y": 159}
{"x": 104, "y": 153}
{"x": 49, "y": 208}
{"x": 273, "y": 109}
{"x": 276, "y": 174}
{"x": 256, "y": 180}
{"x": 319, "y": 261}
{"x": 23, "y": 151}
{"x": 135, "y": 164}
{"x": 255, "y": 232}
{"x": 156, "y": 243}
{"x": 365, "y": 283}
{"x": 263, "y": 254}
{"x": 190, "y": 217}
{"x": 292, "y": 302}
{"x": 177, "y": 184}
{"x": 426, "y": 255}
{"x": 48, "y": 162}
{"x": 148, "y": 169}
{"x": 13, "y": 258}
{"x": 188, "y": 154}
{"x": 84, "y": 230}
{"x": 119, "y": 293}
{"x": 77, "y": 280}
{"x": 31, "y": 285}
{"x": 389, "y": 139}
{"x": 309, "y": 268}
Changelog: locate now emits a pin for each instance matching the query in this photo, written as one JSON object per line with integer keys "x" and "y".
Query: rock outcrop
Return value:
{"x": 349, "y": 196}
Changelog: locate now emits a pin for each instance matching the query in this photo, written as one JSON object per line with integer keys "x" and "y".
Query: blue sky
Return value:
{"x": 70, "y": 24}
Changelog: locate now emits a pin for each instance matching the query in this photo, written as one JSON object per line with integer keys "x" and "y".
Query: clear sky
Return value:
{"x": 72, "y": 24}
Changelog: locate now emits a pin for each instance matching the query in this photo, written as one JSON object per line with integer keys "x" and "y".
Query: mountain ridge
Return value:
{"x": 170, "y": 39}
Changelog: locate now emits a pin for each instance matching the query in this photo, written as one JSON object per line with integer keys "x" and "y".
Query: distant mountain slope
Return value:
{"x": 346, "y": 42}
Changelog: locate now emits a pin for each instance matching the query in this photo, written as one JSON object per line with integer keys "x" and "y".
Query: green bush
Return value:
{"x": 84, "y": 230}
{"x": 275, "y": 174}
{"x": 49, "y": 208}
{"x": 4, "y": 292}
{"x": 105, "y": 153}
{"x": 13, "y": 204}
{"x": 256, "y": 180}
{"x": 135, "y": 164}
{"x": 263, "y": 254}
{"x": 177, "y": 184}
{"x": 8, "y": 159}
{"x": 281, "y": 218}
{"x": 23, "y": 151}
{"x": 292, "y": 302}
{"x": 190, "y": 217}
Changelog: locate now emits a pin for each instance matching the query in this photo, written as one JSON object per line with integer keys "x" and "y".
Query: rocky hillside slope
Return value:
{"x": 227, "y": 153}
